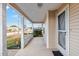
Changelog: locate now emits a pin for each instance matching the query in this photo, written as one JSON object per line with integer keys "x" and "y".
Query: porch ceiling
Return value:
{"x": 35, "y": 13}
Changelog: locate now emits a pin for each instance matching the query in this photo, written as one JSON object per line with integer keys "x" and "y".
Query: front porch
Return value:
{"x": 59, "y": 27}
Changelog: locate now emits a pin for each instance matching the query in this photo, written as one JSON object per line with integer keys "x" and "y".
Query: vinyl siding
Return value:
{"x": 74, "y": 29}
{"x": 52, "y": 29}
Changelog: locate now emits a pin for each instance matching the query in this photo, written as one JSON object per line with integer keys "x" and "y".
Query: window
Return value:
{"x": 13, "y": 28}
{"x": 27, "y": 27}
{"x": 61, "y": 37}
{"x": 61, "y": 30}
{"x": 61, "y": 21}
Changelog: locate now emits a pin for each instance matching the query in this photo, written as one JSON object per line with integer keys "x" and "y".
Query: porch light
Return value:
{"x": 39, "y": 5}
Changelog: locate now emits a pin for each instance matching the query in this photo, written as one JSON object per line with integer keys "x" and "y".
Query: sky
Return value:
{"x": 13, "y": 18}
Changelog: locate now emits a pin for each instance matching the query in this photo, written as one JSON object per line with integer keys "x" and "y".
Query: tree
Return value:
{"x": 13, "y": 26}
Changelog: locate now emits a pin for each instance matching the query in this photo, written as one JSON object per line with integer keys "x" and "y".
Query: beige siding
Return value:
{"x": 74, "y": 29}
{"x": 52, "y": 29}
{"x": 61, "y": 8}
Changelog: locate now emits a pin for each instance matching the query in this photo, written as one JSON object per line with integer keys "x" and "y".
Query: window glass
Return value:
{"x": 61, "y": 39}
{"x": 61, "y": 26}
{"x": 13, "y": 28}
{"x": 27, "y": 27}
{"x": 61, "y": 21}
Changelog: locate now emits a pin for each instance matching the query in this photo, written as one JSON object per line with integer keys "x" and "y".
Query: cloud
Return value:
{"x": 7, "y": 7}
{"x": 15, "y": 16}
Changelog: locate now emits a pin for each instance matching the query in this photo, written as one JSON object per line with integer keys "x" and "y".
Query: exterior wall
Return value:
{"x": 50, "y": 30}
{"x": 3, "y": 48}
{"x": 74, "y": 29}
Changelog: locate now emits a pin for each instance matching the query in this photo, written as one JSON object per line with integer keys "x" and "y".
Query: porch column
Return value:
{"x": 3, "y": 45}
{"x": 32, "y": 28}
{"x": 22, "y": 33}
{"x": 42, "y": 29}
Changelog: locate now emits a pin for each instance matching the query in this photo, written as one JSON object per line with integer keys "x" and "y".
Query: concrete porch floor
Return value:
{"x": 12, "y": 52}
{"x": 35, "y": 48}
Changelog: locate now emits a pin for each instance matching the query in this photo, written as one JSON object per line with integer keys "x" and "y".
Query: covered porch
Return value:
{"x": 60, "y": 29}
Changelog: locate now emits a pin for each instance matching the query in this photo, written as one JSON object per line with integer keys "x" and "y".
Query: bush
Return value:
{"x": 37, "y": 33}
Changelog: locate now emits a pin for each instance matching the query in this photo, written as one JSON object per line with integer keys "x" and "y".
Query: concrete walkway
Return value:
{"x": 35, "y": 48}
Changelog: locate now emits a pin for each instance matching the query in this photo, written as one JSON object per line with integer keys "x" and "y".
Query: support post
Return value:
{"x": 22, "y": 33}
{"x": 3, "y": 38}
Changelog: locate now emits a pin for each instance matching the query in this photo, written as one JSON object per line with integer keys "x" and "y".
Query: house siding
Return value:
{"x": 52, "y": 30}
{"x": 74, "y": 29}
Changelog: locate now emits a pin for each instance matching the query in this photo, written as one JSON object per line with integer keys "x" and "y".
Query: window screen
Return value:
{"x": 61, "y": 39}
{"x": 61, "y": 21}
{"x": 61, "y": 26}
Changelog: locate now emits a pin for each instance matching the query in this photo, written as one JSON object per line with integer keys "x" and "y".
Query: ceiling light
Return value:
{"x": 39, "y": 5}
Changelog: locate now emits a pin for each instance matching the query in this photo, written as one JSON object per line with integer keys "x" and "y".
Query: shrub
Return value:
{"x": 37, "y": 33}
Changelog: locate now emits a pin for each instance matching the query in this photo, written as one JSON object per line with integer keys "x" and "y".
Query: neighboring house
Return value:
{"x": 28, "y": 30}
{"x": 12, "y": 29}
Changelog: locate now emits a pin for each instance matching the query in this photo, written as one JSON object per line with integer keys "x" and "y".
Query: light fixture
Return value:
{"x": 39, "y": 5}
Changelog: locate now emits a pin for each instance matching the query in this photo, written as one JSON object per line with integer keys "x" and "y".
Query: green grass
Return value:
{"x": 11, "y": 42}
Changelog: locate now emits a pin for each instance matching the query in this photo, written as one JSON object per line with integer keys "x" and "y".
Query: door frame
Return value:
{"x": 66, "y": 51}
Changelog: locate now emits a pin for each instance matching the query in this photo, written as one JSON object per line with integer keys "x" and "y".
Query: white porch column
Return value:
{"x": 3, "y": 48}
{"x": 32, "y": 27}
{"x": 22, "y": 33}
{"x": 42, "y": 29}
